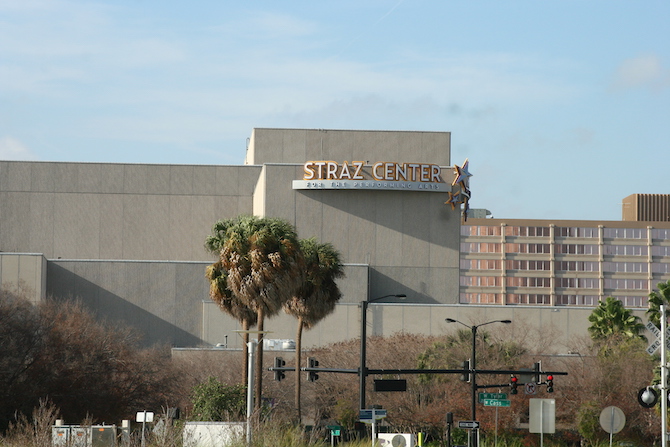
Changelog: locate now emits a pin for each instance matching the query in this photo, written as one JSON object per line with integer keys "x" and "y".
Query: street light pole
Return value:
{"x": 363, "y": 370}
{"x": 473, "y": 363}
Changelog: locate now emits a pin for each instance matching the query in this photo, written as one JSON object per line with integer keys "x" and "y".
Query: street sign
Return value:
{"x": 468, "y": 424}
{"x": 483, "y": 396}
{"x": 530, "y": 388}
{"x": 497, "y": 403}
{"x": 335, "y": 430}
{"x": 369, "y": 415}
{"x": 542, "y": 416}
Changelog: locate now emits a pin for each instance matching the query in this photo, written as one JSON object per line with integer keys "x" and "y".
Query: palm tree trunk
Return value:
{"x": 259, "y": 360}
{"x": 245, "y": 350}
{"x": 298, "y": 362}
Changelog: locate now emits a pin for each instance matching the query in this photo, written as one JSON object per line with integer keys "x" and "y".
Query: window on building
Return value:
{"x": 576, "y": 300}
{"x": 626, "y": 250}
{"x": 660, "y": 250}
{"x": 576, "y": 249}
{"x": 578, "y": 283}
{"x": 576, "y": 266}
{"x": 626, "y": 283}
{"x": 480, "y": 247}
{"x": 660, "y": 267}
{"x": 576, "y": 232}
{"x": 625, "y": 267}
{"x": 660, "y": 234}
{"x": 481, "y": 298}
{"x": 625, "y": 233}
{"x": 528, "y": 298}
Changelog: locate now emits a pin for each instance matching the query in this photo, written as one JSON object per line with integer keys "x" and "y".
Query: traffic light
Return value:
{"x": 279, "y": 363}
{"x": 647, "y": 397}
{"x": 312, "y": 376}
{"x": 513, "y": 382}
{"x": 465, "y": 377}
{"x": 550, "y": 384}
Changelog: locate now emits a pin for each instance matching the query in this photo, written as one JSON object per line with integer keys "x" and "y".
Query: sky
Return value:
{"x": 561, "y": 107}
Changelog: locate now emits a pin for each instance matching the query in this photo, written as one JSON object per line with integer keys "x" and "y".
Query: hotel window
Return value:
{"x": 625, "y": 267}
{"x": 480, "y": 247}
{"x": 481, "y": 298}
{"x": 528, "y": 298}
{"x": 481, "y": 264}
{"x": 576, "y": 232}
{"x": 527, "y": 265}
{"x": 633, "y": 301}
{"x": 527, "y": 248}
{"x": 528, "y": 231}
{"x": 630, "y": 284}
{"x": 660, "y": 234}
{"x": 578, "y": 283}
{"x": 626, "y": 250}
{"x": 481, "y": 281}
{"x": 625, "y": 233}
{"x": 660, "y": 251}
{"x": 480, "y": 230}
{"x": 576, "y": 266}
{"x": 527, "y": 282}
{"x": 576, "y": 249}
{"x": 658, "y": 267}
{"x": 576, "y": 300}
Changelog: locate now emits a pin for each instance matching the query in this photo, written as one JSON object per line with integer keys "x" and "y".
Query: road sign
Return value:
{"x": 530, "y": 388}
{"x": 483, "y": 396}
{"x": 542, "y": 416}
{"x": 612, "y": 419}
{"x": 497, "y": 403}
{"x": 335, "y": 430}
{"x": 468, "y": 424}
{"x": 369, "y": 415}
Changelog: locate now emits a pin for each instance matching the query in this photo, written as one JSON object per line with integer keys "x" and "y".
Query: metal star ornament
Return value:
{"x": 462, "y": 174}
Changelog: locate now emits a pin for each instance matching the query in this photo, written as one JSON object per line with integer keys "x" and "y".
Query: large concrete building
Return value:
{"x": 128, "y": 239}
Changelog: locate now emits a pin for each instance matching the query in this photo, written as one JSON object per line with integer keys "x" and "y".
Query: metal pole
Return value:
{"x": 363, "y": 371}
{"x": 664, "y": 380}
{"x": 473, "y": 380}
{"x": 251, "y": 353}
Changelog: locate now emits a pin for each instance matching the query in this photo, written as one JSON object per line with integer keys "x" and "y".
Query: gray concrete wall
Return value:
{"x": 118, "y": 211}
{"x": 26, "y": 272}
{"x": 301, "y": 145}
{"x": 162, "y": 300}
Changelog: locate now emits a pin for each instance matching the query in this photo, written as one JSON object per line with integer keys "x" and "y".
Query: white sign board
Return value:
{"x": 612, "y": 419}
{"x": 542, "y": 416}
{"x": 144, "y": 416}
{"x": 656, "y": 344}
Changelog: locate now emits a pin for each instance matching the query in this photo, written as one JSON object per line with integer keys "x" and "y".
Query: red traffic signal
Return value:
{"x": 513, "y": 384}
{"x": 550, "y": 383}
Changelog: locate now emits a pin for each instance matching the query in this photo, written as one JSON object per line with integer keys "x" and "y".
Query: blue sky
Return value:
{"x": 562, "y": 107}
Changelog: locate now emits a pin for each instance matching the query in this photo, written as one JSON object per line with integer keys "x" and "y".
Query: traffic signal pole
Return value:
{"x": 664, "y": 379}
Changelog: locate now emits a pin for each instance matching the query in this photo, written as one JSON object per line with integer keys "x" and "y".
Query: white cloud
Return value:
{"x": 13, "y": 149}
{"x": 643, "y": 71}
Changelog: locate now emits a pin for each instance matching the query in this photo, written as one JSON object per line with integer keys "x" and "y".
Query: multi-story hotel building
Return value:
{"x": 562, "y": 263}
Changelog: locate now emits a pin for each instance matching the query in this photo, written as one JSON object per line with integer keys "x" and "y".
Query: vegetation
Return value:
{"x": 58, "y": 351}
{"x": 316, "y": 297}
{"x": 656, "y": 299}
{"x": 215, "y": 401}
{"x": 261, "y": 265}
{"x": 612, "y": 318}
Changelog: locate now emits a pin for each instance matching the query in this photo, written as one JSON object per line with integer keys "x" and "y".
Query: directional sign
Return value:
{"x": 468, "y": 424}
{"x": 483, "y": 396}
{"x": 530, "y": 388}
{"x": 497, "y": 403}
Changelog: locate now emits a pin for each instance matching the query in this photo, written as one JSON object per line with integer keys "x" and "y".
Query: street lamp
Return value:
{"x": 363, "y": 370}
{"x": 473, "y": 361}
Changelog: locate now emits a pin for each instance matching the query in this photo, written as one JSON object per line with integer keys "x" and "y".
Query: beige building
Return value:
{"x": 127, "y": 239}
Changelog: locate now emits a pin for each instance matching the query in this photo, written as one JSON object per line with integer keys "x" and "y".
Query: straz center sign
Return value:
{"x": 381, "y": 175}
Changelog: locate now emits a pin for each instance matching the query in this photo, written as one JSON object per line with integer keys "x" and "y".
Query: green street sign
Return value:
{"x": 483, "y": 396}
{"x": 497, "y": 403}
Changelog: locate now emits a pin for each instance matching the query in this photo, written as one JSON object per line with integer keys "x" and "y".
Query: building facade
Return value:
{"x": 128, "y": 240}
{"x": 562, "y": 263}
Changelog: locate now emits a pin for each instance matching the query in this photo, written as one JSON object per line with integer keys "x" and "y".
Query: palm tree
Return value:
{"x": 656, "y": 299}
{"x": 232, "y": 305}
{"x": 263, "y": 268}
{"x": 612, "y": 318}
{"x": 317, "y": 296}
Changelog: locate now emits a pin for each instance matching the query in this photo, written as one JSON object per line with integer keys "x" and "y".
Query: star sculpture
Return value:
{"x": 454, "y": 199}
{"x": 462, "y": 175}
